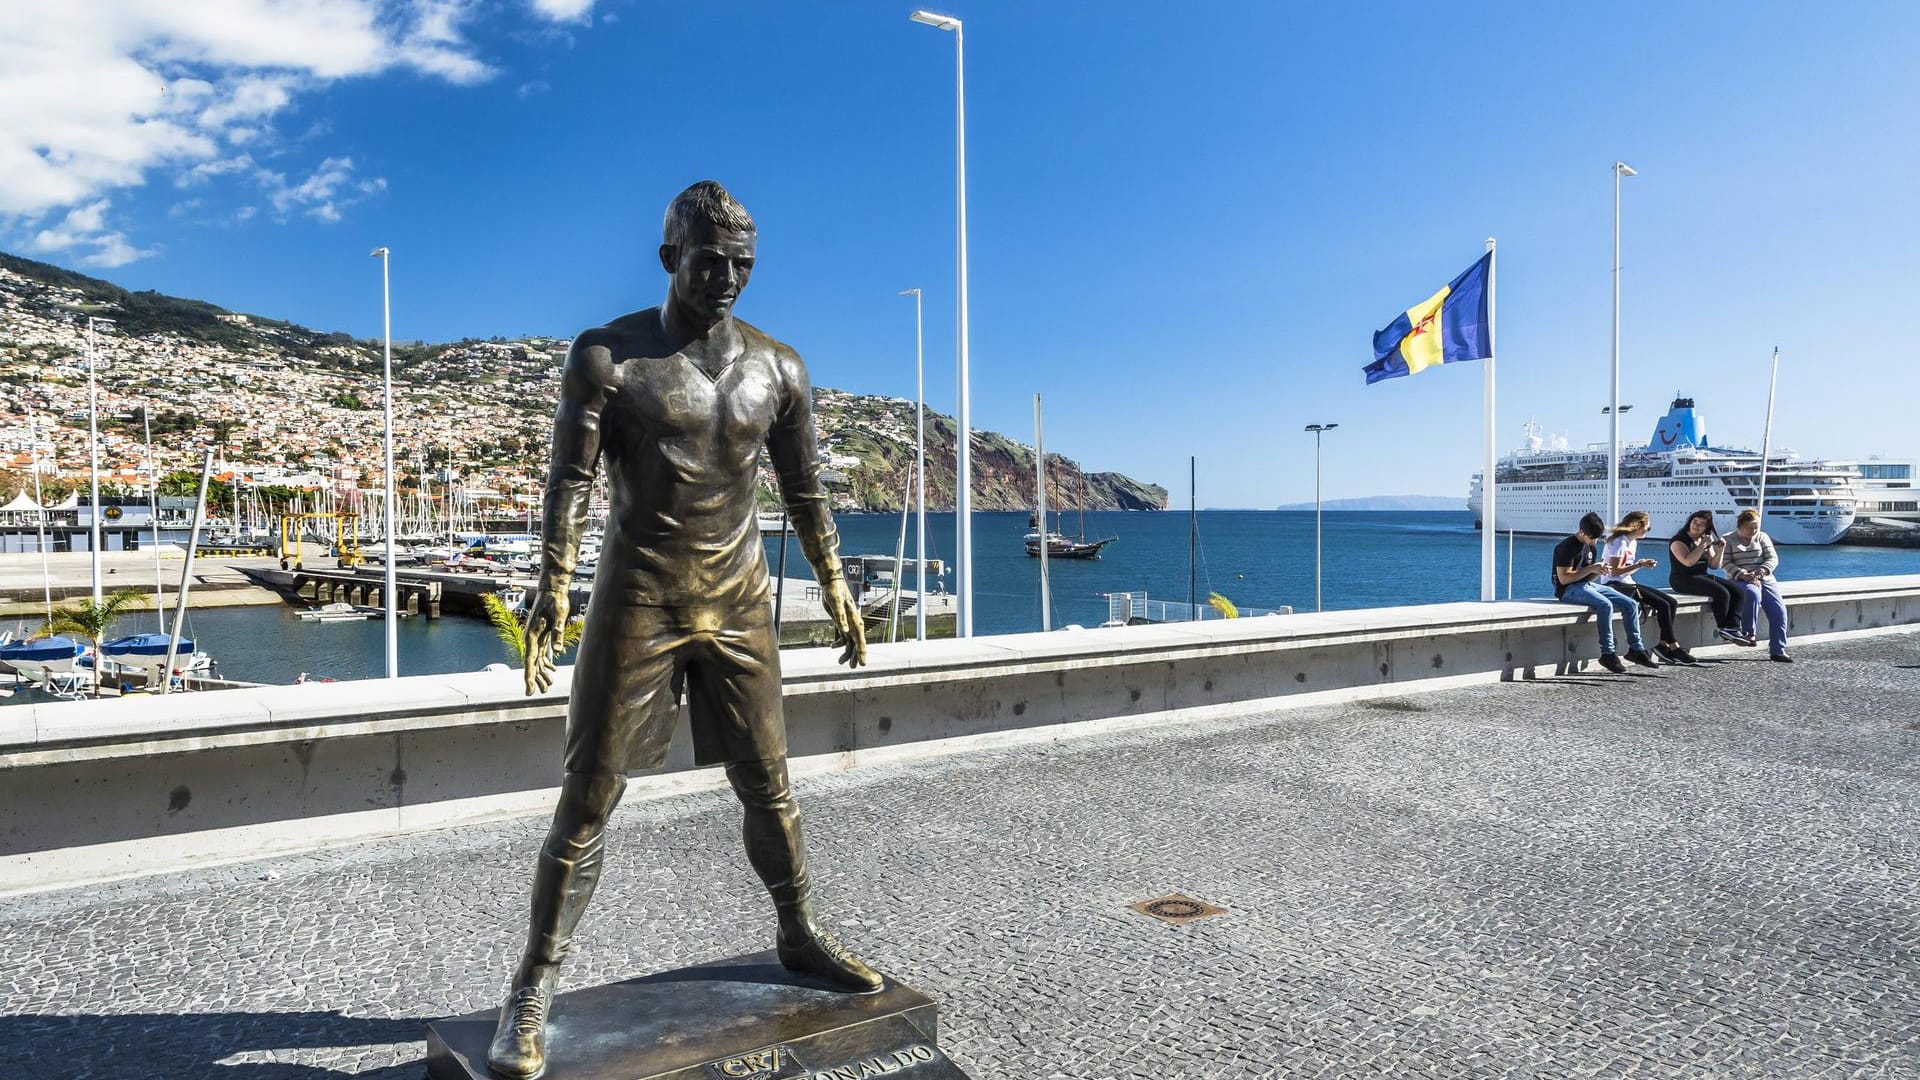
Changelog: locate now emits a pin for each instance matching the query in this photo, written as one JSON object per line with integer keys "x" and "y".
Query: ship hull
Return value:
{"x": 1554, "y": 509}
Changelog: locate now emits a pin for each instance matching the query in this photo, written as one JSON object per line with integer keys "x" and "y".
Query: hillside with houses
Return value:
{"x": 301, "y": 409}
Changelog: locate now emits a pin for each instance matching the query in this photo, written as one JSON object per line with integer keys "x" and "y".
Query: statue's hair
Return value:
{"x": 706, "y": 203}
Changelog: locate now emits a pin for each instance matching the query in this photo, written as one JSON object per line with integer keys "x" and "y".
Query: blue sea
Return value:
{"x": 1257, "y": 559}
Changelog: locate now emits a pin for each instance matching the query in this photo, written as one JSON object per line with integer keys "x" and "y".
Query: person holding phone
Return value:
{"x": 1621, "y": 556}
{"x": 1697, "y": 551}
{"x": 1574, "y": 570}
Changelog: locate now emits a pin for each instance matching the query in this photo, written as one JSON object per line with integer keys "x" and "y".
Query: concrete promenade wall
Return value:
{"x": 96, "y": 790}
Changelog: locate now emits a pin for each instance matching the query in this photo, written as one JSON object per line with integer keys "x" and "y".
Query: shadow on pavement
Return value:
{"x": 198, "y": 1046}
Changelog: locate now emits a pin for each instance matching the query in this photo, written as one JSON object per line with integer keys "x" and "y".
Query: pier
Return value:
{"x": 418, "y": 593}
{"x": 217, "y": 582}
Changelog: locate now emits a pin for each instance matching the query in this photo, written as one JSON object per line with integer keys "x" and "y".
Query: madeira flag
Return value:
{"x": 1450, "y": 325}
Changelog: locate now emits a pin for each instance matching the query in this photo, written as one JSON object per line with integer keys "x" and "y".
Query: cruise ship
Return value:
{"x": 1545, "y": 488}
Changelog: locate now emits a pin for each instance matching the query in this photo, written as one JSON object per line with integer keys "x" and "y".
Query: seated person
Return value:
{"x": 1621, "y": 558}
{"x": 1751, "y": 560}
{"x": 1574, "y": 569}
{"x": 1697, "y": 551}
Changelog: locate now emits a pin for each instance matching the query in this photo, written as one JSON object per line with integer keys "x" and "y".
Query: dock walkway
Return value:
{"x": 1692, "y": 872}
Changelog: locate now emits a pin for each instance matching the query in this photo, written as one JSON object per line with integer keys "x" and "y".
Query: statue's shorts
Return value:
{"x": 635, "y": 662}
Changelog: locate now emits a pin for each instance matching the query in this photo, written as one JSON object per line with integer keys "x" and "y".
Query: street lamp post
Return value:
{"x": 1613, "y": 489}
{"x": 1620, "y": 169}
{"x": 963, "y": 465}
{"x": 920, "y": 469}
{"x": 390, "y": 596}
{"x": 1318, "y": 430}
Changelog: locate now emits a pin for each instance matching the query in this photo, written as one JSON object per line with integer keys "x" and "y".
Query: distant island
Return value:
{"x": 1385, "y": 503}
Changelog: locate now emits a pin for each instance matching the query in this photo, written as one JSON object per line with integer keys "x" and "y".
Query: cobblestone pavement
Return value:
{"x": 1705, "y": 872}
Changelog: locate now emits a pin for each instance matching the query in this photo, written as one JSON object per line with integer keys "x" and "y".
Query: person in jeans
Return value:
{"x": 1621, "y": 556}
{"x": 1697, "y": 551}
{"x": 1574, "y": 571}
{"x": 1751, "y": 560}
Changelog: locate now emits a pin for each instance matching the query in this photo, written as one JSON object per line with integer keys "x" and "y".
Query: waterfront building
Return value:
{"x": 1886, "y": 492}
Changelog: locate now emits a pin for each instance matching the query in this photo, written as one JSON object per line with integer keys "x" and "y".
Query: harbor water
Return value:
{"x": 1256, "y": 559}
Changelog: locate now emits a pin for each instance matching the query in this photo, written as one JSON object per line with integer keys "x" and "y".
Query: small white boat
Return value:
{"x": 774, "y": 523}
{"x": 43, "y": 657}
{"x": 339, "y": 612}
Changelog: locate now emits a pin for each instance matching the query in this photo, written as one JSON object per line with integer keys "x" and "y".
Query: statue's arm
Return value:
{"x": 586, "y": 384}
{"x": 795, "y": 451}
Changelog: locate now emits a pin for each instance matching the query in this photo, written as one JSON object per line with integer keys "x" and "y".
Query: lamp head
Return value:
{"x": 909, "y": 292}
{"x": 938, "y": 22}
{"x": 377, "y": 253}
{"x": 1624, "y": 169}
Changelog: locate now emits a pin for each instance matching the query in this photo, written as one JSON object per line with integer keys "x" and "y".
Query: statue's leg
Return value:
{"x": 775, "y": 846}
{"x": 563, "y": 881}
{"x": 778, "y": 854}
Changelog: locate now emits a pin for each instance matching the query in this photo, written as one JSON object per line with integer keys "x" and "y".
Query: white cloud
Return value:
{"x": 330, "y": 189}
{"x": 207, "y": 170}
{"x": 564, "y": 10}
{"x": 84, "y": 231}
{"x": 102, "y": 94}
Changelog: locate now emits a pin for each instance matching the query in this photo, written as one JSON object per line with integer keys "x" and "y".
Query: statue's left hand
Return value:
{"x": 846, "y": 619}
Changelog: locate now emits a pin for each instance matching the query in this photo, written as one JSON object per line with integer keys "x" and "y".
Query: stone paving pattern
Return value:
{"x": 1707, "y": 872}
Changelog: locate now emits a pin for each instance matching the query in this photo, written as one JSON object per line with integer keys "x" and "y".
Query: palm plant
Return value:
{"x": 512, "y": 630}
{"x": 94, "y": 620}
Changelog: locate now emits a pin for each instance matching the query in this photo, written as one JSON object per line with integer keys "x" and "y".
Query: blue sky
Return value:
{"x": 1185, "y": 222}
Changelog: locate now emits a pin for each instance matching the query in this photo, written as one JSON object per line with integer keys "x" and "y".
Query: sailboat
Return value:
{"x": 1061, "y": 546}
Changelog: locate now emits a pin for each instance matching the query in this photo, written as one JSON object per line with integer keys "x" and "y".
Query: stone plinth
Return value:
{"x": 746, "y": 1018}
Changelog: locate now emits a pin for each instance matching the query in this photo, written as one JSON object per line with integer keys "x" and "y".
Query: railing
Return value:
{"x": 1131, "y": 607}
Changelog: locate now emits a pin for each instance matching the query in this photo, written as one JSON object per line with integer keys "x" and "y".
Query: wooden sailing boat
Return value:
{"x": 1059, "y": 545}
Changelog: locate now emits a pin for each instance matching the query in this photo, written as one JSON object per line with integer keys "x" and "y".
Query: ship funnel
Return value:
{"x": 1681, "y": 428}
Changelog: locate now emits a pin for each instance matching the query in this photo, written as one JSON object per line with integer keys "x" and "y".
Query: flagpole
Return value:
{"x": 1489, "y": 484}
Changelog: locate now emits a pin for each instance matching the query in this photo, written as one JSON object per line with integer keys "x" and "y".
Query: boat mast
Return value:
{"x": 93, "y": 468}
{"x": 1040, "y": 507}
{"x": 1766, "y": 441}
{"x": 40, "y": 519}
{"x": 153, "y": 512}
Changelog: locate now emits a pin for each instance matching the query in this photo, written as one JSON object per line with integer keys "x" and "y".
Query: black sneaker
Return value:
{"x": 1641, "y": 657}
{"x": 1728, "y": 633}
{"x": 1781, "y": 658}
{"x": 1673, "y": 654}
{"x": 1747, "y": 640}
{"x": 1612, "y": 663}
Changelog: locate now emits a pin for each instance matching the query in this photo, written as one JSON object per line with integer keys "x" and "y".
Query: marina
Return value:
{"x": 1258, "y": 560}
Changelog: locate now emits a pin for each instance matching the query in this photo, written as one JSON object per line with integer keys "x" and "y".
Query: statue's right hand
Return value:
{"x": 545, "y": 629}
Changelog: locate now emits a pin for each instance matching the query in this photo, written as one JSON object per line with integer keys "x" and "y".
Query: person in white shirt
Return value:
{"x": 1751, "y": 561}
{"x": 1621, "y": 557}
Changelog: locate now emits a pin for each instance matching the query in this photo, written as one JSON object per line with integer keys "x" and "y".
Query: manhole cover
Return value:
{"x": 1175, "y": 908}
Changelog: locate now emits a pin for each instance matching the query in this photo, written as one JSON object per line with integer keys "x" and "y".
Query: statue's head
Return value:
{"x": 707, "y": 245}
